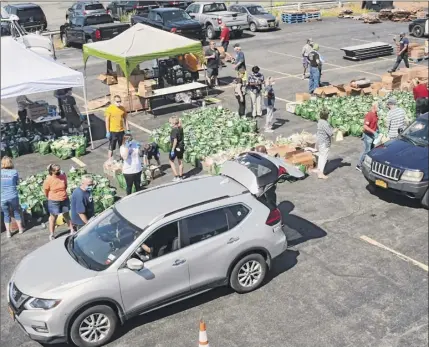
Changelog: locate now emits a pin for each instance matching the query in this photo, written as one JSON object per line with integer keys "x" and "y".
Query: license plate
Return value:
{"x": 381, "y": 183}
{"x": 12, "y": 314}
{"x": 234, "y": 28}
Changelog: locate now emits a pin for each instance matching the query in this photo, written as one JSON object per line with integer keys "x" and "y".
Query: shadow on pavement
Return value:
{"x": 393, "y": 198}
{"x": 334, "y": 164}
{"x": 297, "y": 229}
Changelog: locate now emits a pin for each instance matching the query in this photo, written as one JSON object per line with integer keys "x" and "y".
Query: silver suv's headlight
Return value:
{"x": 262, "y": 21}
{"x": 41, "y": 304}
{"x": 367, "y": 161}
{"x": 412, "y": 176}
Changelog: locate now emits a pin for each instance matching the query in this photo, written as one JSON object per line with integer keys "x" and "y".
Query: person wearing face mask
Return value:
{"x": 55, "y": 189}
{"x": 132, "y": 165}
{"x": 116, "y": 123}
{"x": 82, "y": 204}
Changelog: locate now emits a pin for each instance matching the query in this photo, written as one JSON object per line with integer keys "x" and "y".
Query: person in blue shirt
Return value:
{"x": 9, "y": 195}
{"x": 82, "y": 204}
{"x": 151, "y": 150}
{"x": 402, "y": 53}
{"x": 240, "y": 60}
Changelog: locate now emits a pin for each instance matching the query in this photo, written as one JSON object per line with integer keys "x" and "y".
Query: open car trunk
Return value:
{"x": 258, "y": 173}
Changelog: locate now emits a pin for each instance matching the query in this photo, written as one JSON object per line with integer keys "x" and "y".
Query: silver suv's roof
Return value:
{"x": 142, "y": 208}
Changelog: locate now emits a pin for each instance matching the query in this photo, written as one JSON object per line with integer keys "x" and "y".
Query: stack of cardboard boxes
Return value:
{"x": 405, "y": 79}
{"x": 416, "y": 51}
{"x": 293, "y": 155}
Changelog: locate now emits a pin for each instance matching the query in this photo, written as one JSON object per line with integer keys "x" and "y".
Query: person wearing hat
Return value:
{"x": 315, "y": 68}
{"x": 240, "y": 60}
{"x": 305, "y": 52}
{"x": 403, "y": 52}
{"x": 395, "y": 120}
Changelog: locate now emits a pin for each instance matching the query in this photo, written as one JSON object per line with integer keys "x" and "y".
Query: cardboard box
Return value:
{"x": 108, "y": 79}
{"x": 417, "y": 54}
{"x": 221, "y": 51}
{"x": 383, "y": 92}
{"x": 376, "y": 86}
{"x": 291, "y": 106}
{"x": 305, "y": 158}
{"x": 300, "y": 97}
{"x": 121, "y": 90}
{"x": 341, "y": 94}
{"x": 367, "y": 91}
{"x": 134, "y": 81}
{"x": 145, "y": 89}
{"x": 407, "y": 87}
{"x": 133, "y": 103}
{"x": 355, "y": 91}
{"x": 283, "y": 151}
{"x": 326, "y": 91}
{"x": 291, "y": 154}
{"x": 348, "y": 90}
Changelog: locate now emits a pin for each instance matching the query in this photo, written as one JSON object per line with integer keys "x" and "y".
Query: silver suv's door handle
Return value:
{"x": 179, "y": 262}
{"x": 233, "y": 239}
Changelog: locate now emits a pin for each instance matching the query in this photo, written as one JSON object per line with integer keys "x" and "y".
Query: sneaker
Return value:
{"x": 359, "y": 168}
{"x": 176, "y": 179}
{"x": 51, "y": 237}
{"x": 21, "y": 232}
{"x": 303, "y": 77}
{"x": 8, "y": 234}
{"x": 390, "y": 71}
{"x": 269, "y": 130}
{"x": 181, "y": 178}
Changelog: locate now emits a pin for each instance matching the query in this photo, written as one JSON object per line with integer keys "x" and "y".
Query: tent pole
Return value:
{"x": 86, "y": 107}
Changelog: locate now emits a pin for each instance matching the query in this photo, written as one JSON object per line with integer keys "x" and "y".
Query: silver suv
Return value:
{"x": 152, "y": 248}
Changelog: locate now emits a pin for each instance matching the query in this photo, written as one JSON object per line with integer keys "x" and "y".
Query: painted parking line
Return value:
{"x": 328, "y": 64}
{"x": 9, "y": 112}
{"x": 399, "y": 255}
{"x": 78, "y": 162}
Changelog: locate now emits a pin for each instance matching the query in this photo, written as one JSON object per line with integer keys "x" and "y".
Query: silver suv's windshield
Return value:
{"x": 418, "y": 132}
{"x": 255, "y": 10}
{"x": 102, "y": 241}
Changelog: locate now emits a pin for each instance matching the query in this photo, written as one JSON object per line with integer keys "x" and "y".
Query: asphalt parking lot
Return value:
{"x": 337, "y": 285}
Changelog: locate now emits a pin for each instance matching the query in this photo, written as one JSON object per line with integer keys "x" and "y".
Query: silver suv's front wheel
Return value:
{"x": 248, "y": 274}
{"x": 94, "y": 327}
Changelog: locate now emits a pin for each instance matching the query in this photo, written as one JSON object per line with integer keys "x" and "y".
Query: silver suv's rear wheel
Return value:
{"x": 94, "y": 327}
{"x": 248, "y": 274}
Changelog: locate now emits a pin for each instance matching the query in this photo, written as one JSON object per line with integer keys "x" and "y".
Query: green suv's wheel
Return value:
{"x": 248, "y": 274}
{"x": 94, "y": 327}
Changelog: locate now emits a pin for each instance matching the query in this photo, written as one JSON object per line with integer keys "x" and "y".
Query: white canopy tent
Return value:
{"x": 24, "y": 72}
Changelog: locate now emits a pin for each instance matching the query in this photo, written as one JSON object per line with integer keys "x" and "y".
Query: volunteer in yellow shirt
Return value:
{"x": 190, "y": 61}
{"x": 116, "y": 123}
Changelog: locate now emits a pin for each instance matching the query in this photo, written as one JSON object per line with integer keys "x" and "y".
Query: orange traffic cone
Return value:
{"x": 203, "y": 335}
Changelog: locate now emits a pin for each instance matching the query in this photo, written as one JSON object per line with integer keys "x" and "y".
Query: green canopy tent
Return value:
{"x": 141, "y": 43}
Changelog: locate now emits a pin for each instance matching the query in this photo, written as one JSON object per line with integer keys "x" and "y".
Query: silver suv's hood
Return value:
{"x": 49, "y": 270}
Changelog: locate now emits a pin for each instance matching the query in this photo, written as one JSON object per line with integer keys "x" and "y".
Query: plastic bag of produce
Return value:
{"x": 64, "y": 153}
{"x": 23, "y": 145}
{"x": 44, "y": 147}
{"x": 80, "y": 150}
{"x": 4, "y": 150}
{"x": 14, "y": 150}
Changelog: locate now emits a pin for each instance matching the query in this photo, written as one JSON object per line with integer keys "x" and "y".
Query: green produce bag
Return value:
{"x": 14, "y": 150}
{"x": 64, "y": 153}
{"x": 122, "y": 183}
{"x": 34, "y": 146}
{"x": 80, "y": 150}
{"x": 44, "y": 147}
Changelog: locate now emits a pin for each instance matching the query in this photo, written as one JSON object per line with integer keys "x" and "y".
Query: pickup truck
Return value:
{"x": 212, "y": 14}
{"x": 401, "y": 165}
{"x": 174, "y": 20}
{"x": 86, "y": 29}
{"x": 419, "y": 27}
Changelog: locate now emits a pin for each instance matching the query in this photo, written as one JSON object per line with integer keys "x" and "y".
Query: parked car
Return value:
{"x": 31, "y": 16}
{"x": 39, "y": 44}
{"x": 377, "y": 5}
{"x": 118, "y": 8}
{"x": 173, "y": 20}
{"x": 86, "y": 29}
{"x": 177, "y": 4}
{"x": 401, "y": 165}
{"x": 258, "y": 17}
{"x": 124, "y": 262}
{"x": 419, "y": 27}
{"x": 212, "y": 14}
{"x": 85, "y": 8}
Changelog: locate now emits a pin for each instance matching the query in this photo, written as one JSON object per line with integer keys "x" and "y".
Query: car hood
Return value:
{"x": 267, "y": 16}
{"x": 185, "y": 24}
{"x": 402, "y": 154}
{"x": 49, "y": 270}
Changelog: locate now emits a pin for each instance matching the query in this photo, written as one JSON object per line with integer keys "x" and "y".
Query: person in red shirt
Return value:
{"x": 224, "y": 37}
{"x": 370, "y": 133}
{"x": 421, "y": 95}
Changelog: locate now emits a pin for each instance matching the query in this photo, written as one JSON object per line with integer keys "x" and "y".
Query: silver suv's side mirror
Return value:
{"x": 135, "y": 264}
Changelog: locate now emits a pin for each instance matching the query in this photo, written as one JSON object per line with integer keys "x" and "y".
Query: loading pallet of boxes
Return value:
{"x": 133, "y": 91}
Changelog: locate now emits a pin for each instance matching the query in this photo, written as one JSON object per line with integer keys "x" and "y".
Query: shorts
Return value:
{"x": 212, "y": 72}
{"x": 8, "y": 206}
{"x": 305, "y": 62}
{"x": 57, "y": 207}
{"x": 77, "y": 227}
{"x": 116, "y": 137}
{"x": 177, "y": 154}
{"x": 153, "y": 155}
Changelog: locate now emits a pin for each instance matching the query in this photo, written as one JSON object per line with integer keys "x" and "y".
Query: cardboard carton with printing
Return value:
{"x": 301, "y": 97}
